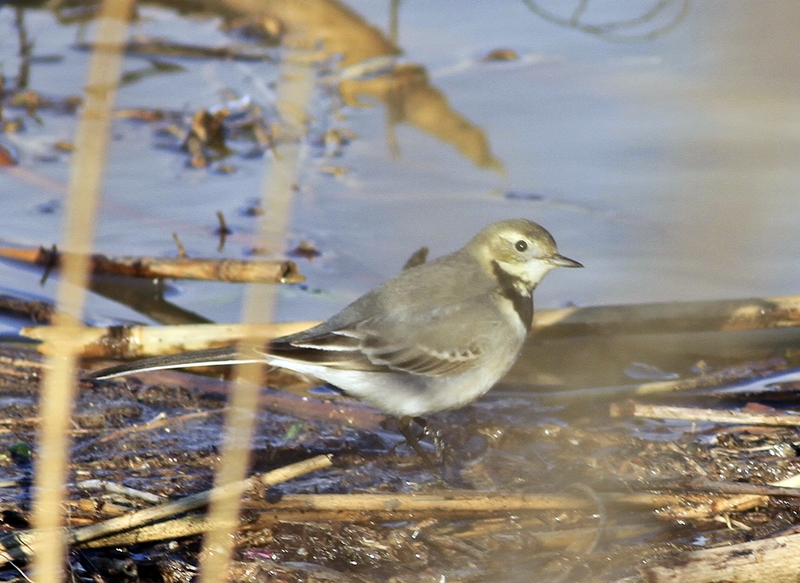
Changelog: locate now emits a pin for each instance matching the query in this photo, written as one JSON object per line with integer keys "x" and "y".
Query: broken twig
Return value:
{"x": 17, "y": 546}
{"x": 228, "y": 270}
{"x": 773, "y": 560}
{"x": 131, "y": 342}
{"x": 631, "y": 409}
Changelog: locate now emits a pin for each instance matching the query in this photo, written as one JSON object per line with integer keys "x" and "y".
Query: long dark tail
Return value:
{"x": 209, "y": 357}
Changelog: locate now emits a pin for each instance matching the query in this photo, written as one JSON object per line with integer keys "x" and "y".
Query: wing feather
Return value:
{"x": 384, "y": 344}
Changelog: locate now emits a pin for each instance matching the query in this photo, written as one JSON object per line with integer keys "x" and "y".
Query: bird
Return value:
{"x": 435, "y": 337}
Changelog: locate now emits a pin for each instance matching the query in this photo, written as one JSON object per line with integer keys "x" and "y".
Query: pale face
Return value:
{"x": 523, "y": 249}
{"x": 525, "y": 258}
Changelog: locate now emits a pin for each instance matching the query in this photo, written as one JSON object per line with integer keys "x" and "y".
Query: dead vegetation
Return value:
{"x": 695, "y": 479}
{"x": 678, "y": 485}
{"x": 228, "y": 270}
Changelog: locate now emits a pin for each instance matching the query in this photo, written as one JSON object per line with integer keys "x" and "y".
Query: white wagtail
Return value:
{"x": 435, "y": 337}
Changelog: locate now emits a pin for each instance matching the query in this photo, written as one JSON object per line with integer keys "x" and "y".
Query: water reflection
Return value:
{"x": 693, "y": 135}
{"x": 641, "y": 24}
{"x": 408, "y": 97}
{"x": 404, "y": 90}
{"x": 671, "y": 162}
{"x": 741, "y": 153}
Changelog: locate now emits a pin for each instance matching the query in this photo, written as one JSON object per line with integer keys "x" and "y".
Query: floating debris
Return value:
{"x": 523, "y": 195}
{"x": 305, "y": 249}
{"x": 501, "y": 55}
{"x": 50, "y": 207}
{"x": 253, "y": 209}
{"x": 64, "y": 146}
{"x": 335, "y": 171}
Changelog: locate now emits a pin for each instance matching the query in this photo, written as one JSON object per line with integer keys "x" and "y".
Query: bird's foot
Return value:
{"x": 415, "y": 428}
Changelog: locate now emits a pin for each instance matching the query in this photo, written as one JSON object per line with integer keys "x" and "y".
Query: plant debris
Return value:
{"x": 229, "y": 270}
{"x": 654, "y": 496}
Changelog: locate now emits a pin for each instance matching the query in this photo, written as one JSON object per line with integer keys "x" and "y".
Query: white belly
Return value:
{"x": 405, "y": 394}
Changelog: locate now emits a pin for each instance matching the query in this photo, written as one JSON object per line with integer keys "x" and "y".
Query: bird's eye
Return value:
{"x": 521, "y": 246}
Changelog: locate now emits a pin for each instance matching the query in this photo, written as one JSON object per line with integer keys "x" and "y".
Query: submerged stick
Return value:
{"x": 705, "y": 485}
{"x": 455, "y": 503}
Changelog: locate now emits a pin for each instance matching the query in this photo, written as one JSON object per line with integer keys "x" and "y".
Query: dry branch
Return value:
{"x": 691, "y": 508}
{"x": 773, "y": 560}
{"x": 672, "y": 317}
{"x": 599, "y": 320}
{"x": 195, "y": 524}
{"x": 631, "y": 409}
{"x": 228, "y": 270}
{"x": 17, "y": 546}
{"x": 137, "y": 342}
{"x": 754, "y": 377}
{"x": 131, "y": 342}
{"x": 381, "y": 507}
{"x": 38, "y": 311}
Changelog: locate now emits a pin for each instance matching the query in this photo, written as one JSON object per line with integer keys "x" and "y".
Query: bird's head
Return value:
{"x": 522, "y": 250}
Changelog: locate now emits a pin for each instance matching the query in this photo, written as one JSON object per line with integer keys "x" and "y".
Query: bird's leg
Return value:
{"x": 440, "y": 444}
{"x": 404, "y": 426}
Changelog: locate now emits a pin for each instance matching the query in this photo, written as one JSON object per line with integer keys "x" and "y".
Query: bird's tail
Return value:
{"x": 210, "y": 357}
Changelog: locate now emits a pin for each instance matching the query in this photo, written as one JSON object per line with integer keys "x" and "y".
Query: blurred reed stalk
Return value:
{"x": 294, "y": 95}
{"x": 59, "y": 385}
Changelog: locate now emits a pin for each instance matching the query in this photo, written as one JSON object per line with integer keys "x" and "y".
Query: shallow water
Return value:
{"x": 668, "y": 166}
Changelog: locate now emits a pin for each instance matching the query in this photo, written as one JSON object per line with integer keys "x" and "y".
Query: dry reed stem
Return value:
{"x": 702, "y": 415}
{"x": 295, "y": 90}
{"x": 741, "y": 314}
{"x": 131, "y": 342}
{"x": 59, "y": 383}
{"x": 23, "y": 545}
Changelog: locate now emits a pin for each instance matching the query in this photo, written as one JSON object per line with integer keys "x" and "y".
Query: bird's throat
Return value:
{"x": 515, "y": 290}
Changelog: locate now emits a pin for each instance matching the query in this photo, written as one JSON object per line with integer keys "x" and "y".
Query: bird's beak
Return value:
{"x": 561, "y": 261}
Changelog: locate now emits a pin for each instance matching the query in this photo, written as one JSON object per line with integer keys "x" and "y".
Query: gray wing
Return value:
{"x": 439, "y": 318}
{"x": 438, "y": 341}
